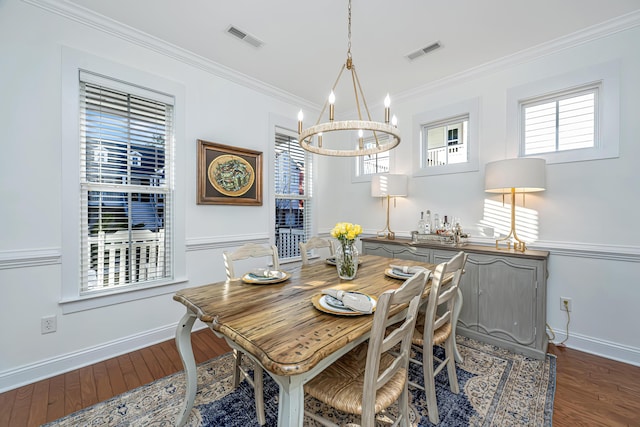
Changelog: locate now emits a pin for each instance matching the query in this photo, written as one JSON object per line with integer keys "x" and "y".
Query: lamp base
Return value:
{"x": 518, "y": 245}
{"x": 386, "y": 234}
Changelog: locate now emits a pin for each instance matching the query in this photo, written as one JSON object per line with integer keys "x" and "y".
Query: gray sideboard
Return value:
{"x": 504, "y": 291}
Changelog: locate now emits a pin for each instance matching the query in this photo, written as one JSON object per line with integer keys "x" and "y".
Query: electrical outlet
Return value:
{"x": 565, "y": 304}
{"x": 48, "y": 324}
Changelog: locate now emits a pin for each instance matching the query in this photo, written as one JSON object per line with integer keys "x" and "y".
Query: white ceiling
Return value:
{"x": 305, "y": 42}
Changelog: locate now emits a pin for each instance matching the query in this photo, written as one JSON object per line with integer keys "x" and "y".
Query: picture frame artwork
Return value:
{"x": 228, "y": 175}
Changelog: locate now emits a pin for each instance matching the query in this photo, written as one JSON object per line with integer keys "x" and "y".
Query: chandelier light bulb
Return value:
{"x": 332, "y": 101}
{"x": 387, "y": 101}
{"x": 394, "y": 121}
{"x": 300, "y": 117}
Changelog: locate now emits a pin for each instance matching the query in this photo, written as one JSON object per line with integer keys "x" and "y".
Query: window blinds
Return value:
{"x": 293, "y": 198}
{"x": 126, "y": 134}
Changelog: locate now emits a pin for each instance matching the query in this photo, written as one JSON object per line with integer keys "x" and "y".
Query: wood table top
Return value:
{"x": 278, "y": 324}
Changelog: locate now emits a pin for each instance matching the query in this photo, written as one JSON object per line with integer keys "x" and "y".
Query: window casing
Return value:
{"x": 447, "y": 139}
{"x": 293, "y": 173}
{"x": 602, "y": 81}
{"x": 126, "y": 198}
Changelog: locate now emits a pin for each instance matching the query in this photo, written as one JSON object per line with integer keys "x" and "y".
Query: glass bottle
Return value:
{"x": 436, "y": 223}
{"x": 427, "y": 223}
{"x": 421, "y": 224}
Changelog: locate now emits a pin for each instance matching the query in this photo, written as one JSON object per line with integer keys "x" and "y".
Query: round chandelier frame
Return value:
{"x": 386, "y": 135}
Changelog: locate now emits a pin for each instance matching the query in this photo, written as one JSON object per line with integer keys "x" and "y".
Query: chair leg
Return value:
{"x": 430, "y": 384}
{"x": 450, "y": 350}
{"x": 259, "y": 393}
{"x": 403, "y": 406}
{"x": 237, "y": 360}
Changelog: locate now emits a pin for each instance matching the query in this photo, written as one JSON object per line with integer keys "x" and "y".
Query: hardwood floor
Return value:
{"x": 590, "y": 390}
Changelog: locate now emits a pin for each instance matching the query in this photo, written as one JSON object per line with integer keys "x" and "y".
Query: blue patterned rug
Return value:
{"x": 497, "y": 388}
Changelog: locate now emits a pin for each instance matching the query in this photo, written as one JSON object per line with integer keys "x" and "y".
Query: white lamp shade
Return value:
{"x": 388, "y": 185}
{"x": 524, "y": 174}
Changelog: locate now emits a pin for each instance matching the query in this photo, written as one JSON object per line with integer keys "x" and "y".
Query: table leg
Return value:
{"x": 454, "y": 322}
{"x": 183, "y": 342}
{"x": 291, "y": 400}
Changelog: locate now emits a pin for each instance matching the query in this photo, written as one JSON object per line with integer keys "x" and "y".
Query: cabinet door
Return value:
{"x": 507, "y": 298}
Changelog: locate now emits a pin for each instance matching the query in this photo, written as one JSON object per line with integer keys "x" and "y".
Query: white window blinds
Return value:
{"x": 126, "y": 137}
{"x": 293, "y": 198}
{"x": 561, "y": 122}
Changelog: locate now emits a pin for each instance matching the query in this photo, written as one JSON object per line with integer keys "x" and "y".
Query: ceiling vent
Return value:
{"x": 247, "y": 38}
{"x": 423, "y": 51}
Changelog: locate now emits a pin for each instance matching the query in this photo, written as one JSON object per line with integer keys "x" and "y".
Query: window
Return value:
{"x": 566, "y": 121}
{"x": 445, "y": 143}
{"x": 293, "y": 202}
{"x": 570, "y": 117}
{"x": 447, "y": 139}
{"x": 126, "y": 207}
{"x": 372, "y": 164}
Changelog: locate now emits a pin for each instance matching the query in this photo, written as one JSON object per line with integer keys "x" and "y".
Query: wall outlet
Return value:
{"x": 48, "y": 324}
{"x": 565, "y": 304}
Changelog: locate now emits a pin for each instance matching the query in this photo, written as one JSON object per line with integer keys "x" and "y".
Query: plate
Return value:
{"x": 397, "y": 274}
{"x": 332, "y": 261}
{"x": 275, "y": 276}
{"x": 320, "y": 302}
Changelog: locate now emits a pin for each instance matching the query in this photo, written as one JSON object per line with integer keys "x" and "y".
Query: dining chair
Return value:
{"x": 314, "y": 242}
{"x": 368, "y": 379}
{"x": 434, "y": 328}
{"x": 250, "y": 250}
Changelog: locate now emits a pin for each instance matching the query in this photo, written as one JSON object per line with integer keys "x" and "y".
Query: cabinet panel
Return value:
{"x": 394, "y": 251}
{"x": 507, "y": 299}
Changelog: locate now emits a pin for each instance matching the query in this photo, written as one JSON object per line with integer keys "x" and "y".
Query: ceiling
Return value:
{"x": 305, "y": 42}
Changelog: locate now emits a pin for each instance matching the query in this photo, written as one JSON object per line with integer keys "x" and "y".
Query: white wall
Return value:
{"x": 31, "y": 244}
{"x": 587, "y": 214}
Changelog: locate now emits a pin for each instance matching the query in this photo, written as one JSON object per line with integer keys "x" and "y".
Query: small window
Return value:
{"x": 448, "y": 139}
{"x": 445, "y": 143}
{"x": 372, "y": 164}
{"x": 564, "y": 118}
{"x": 560, "y": 122}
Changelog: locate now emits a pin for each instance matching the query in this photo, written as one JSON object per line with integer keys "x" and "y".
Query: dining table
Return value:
{"x": 281, "y": 326}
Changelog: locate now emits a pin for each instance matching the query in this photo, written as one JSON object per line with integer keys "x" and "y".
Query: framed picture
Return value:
{"x": 228, "y": 175}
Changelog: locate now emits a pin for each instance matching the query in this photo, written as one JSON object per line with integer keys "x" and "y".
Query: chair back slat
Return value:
{"x": 249, "y": 250}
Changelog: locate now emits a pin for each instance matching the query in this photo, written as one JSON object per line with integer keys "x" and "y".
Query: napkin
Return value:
{"x": 263, "y": 274}
{"x": 405, "y": 269}
{"x": 352, "y": 300}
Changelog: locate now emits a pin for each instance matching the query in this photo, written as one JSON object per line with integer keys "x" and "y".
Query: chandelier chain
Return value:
{"x": 349, "y": 32}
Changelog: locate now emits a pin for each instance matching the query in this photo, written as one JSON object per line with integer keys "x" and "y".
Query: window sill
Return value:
{"x": 98, "y": 300}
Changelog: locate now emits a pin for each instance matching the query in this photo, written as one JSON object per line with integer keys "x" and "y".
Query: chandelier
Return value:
{"x": 380, "y": 136}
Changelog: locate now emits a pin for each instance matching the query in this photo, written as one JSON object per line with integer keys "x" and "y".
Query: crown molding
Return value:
{"x": 114, "y": 28}
{"x": 595, "y": 32}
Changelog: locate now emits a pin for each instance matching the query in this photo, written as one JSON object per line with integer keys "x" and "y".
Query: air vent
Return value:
{"x": 238, "y": 33}
{"x": 423, "y": 51}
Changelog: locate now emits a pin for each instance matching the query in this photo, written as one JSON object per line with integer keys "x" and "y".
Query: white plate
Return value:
{"x": 319, "y": 302}
{"x": 274, "y": 276}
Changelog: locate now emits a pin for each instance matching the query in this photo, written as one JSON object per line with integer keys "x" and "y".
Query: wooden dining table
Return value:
{"x": 278, "y": 326}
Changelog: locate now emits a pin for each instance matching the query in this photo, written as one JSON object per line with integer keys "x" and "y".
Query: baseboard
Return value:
{"x": 602, "y": 348}
{"x": 31, "y": 373}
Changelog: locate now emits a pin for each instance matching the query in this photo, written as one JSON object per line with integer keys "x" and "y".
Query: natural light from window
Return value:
{"x": 498, "y": 216}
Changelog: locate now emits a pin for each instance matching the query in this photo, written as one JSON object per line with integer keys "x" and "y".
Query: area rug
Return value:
{"x": 497, "y": 388}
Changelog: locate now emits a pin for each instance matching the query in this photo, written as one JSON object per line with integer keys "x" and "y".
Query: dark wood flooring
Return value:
{"x": 590, "y": 390}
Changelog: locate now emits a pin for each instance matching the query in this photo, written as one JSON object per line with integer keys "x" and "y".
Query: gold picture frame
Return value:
{"x": 228, "y": 175}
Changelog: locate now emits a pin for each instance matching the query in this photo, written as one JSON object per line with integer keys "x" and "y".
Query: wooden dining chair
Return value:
{"x": 250, "y": 250}
{"x": 314, "y": 242}
{"x": 434, "y": 328}
{"x": 368, "y": 379}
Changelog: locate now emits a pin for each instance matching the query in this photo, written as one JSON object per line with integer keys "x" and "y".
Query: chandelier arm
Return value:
{"x": 324, "y": 107}
{"x": 356, "y": 79}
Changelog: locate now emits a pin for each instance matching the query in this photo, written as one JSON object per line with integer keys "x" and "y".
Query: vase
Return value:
{"x": 347, "y": 260}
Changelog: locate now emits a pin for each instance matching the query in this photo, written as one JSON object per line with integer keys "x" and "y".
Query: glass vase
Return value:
{"x": 347, "y": 260}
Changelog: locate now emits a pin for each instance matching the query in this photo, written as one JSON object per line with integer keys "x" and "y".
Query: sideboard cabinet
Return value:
{"x": 504, "y": 291}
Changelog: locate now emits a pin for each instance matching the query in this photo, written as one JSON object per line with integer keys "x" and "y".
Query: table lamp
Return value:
{"x": 520, "y": 175}
{"x": 388, "y": 186}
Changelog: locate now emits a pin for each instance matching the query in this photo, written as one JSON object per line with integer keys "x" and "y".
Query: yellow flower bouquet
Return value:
{"x": 346, "y": 253}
